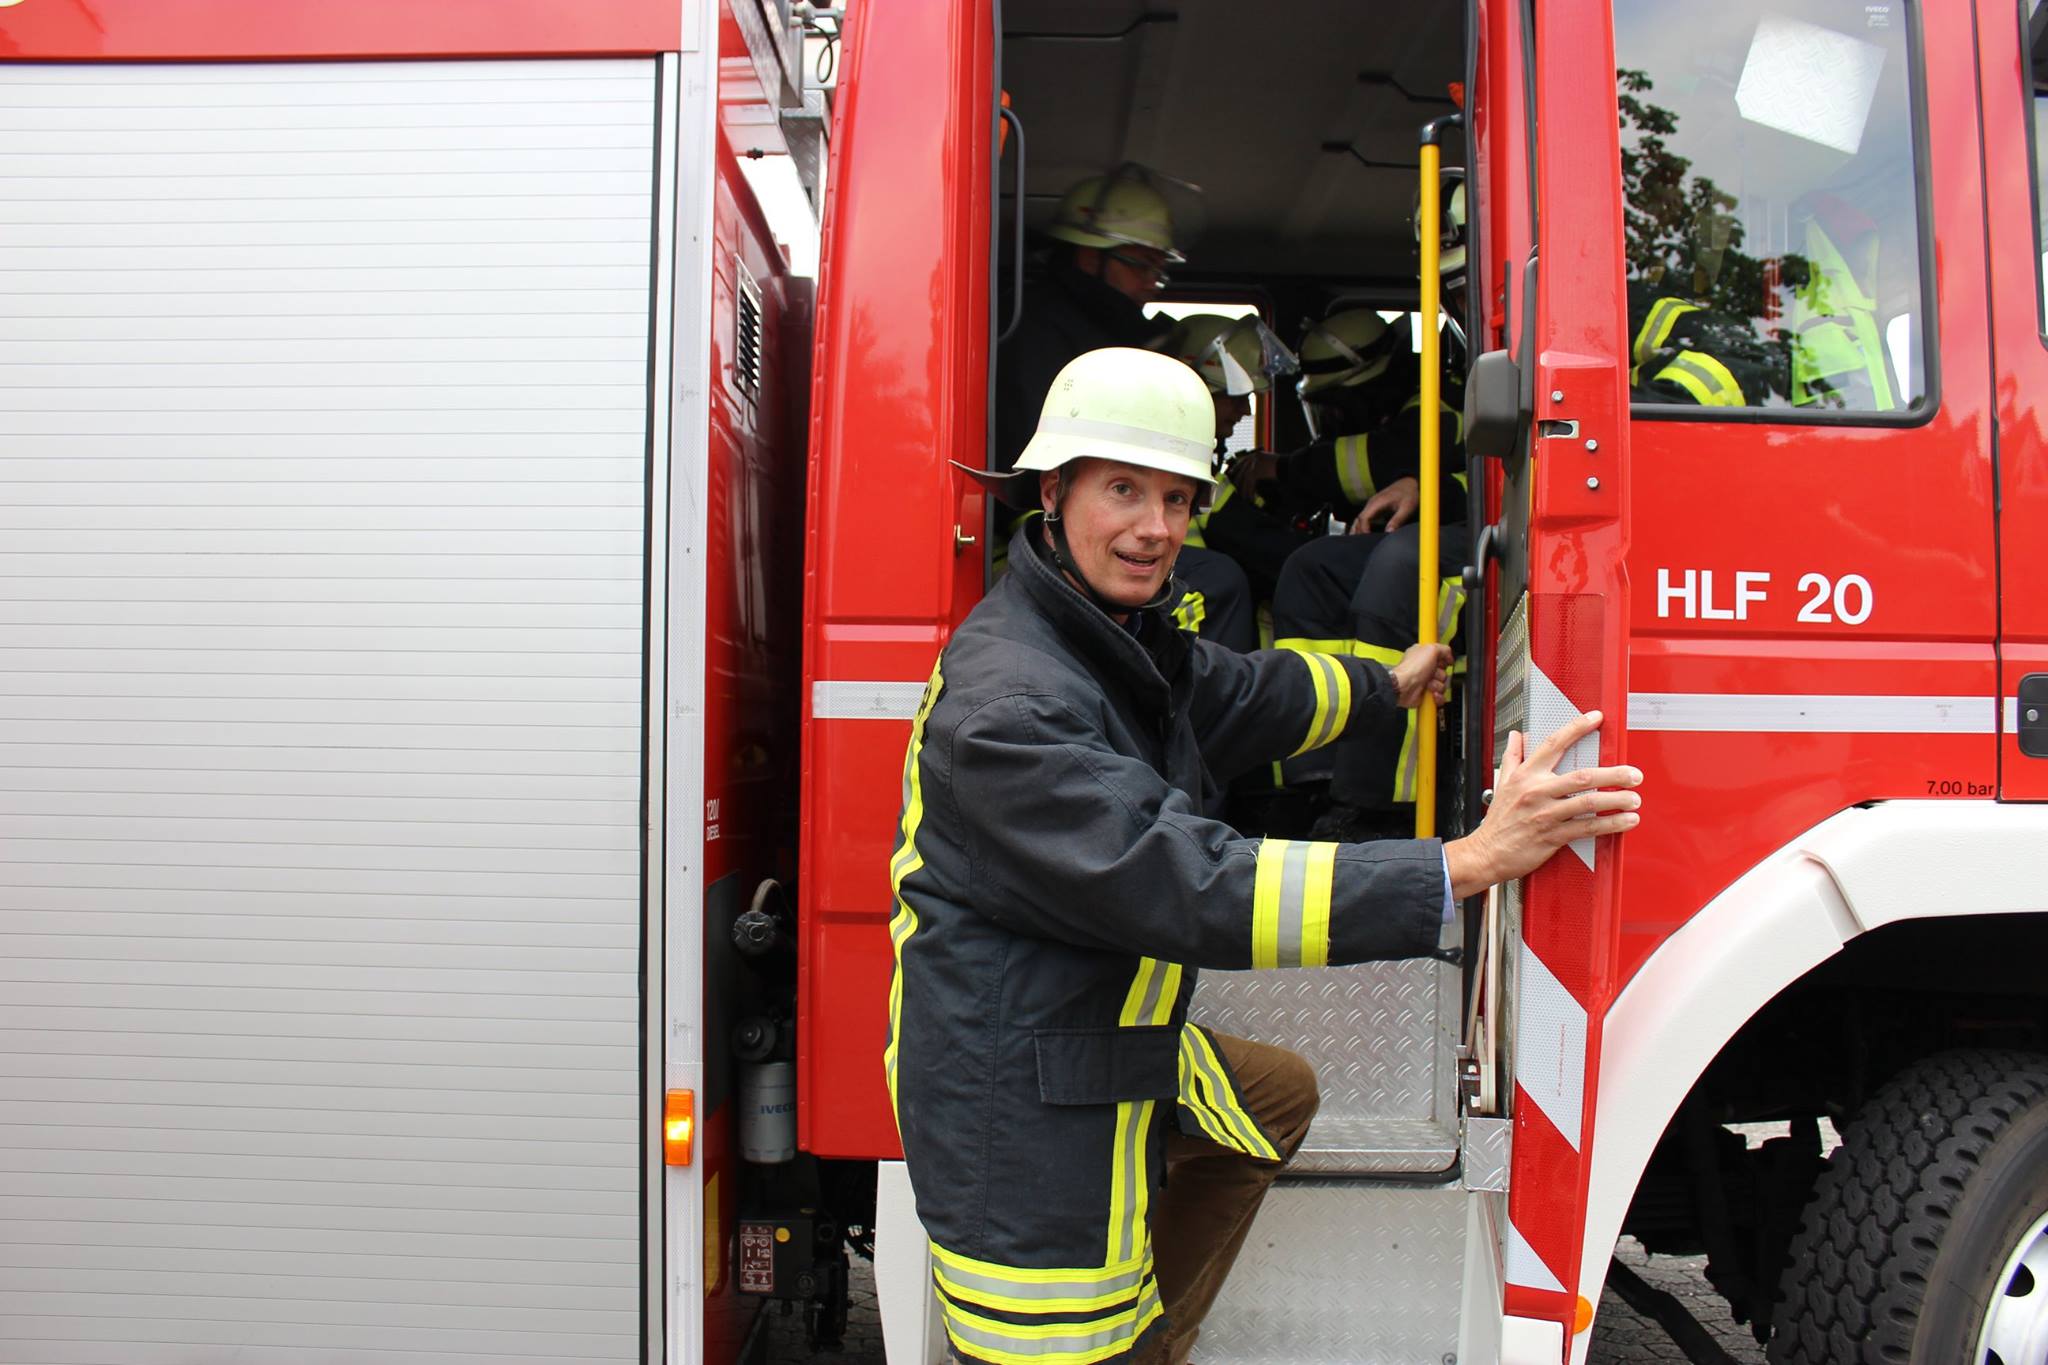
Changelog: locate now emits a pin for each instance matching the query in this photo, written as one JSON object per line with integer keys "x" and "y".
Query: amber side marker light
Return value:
{"x": 679, "y": 1127}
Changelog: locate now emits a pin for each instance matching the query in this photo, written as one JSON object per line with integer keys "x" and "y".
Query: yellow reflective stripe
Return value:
{"x": 1266, "y": 902}
{"x": 1664, "y": 315}
{"x": 1333, "y": 699}
{"x": 1463, "y": 482}
{"x": 1291, "y": 904}
{"x": 1194, "y": 535}
{"x": 1379, "y": 654}
{"x": 907, "y": 859}
{"x": 1125, "y": 1272}
{"x": 1191, "y": 611}
{"x": 1302, "y": 645}
{"x": 1708, "y": 381}
{"x": 1354, "y": 468}
{"x": 1191, "y": 1099}
{"x": 1213, "y": 1077}
{"x": 1020, "y": 1290}
{"x": 1450, "y": 597}
{"x": 1130, "y": 1193}
{"x": 1154, "y": 991}
{"x": 1405, "y": 767}
{"x": 1315, "y": 914}
{"x": 1225, "y": 491}
{"x": 1075, "y": 1343}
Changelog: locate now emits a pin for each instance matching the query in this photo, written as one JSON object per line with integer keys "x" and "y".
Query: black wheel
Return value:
{"x": 1926, "y": 1239}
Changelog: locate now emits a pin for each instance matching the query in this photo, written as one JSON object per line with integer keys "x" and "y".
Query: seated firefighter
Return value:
{"x": 1687, "y": 343}
{"x": 1359, "y": 594}
{"x": 1113, "y": 240}
{"x": 1086, "y": 1161}
{"x": 1356, "y": 594}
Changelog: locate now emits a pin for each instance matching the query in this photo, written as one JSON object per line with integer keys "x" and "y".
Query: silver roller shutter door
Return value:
{"x": 323, "y": 422}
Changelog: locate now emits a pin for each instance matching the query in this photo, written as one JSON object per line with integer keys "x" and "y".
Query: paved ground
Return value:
{"x": 1621, "y": 1338}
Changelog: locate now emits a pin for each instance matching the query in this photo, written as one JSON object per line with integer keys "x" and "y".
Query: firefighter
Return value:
{"x": 1113, "y": 241}
{"x": 1839, "y": 359}
{"x": 1236, "y": 358}
{"x": 1683, "y": 347}
{"x": 1057, "y": 884}
{"x": 1356, "y": 594}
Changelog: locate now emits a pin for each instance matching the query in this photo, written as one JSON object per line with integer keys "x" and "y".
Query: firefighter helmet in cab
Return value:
{"x": 1345, "y": 350}
{"x": 1127, "y": 207}
{"x": 1450, "y": 261}
{"x": 1234, "y": 356}
{"x": 1119, "y": 403}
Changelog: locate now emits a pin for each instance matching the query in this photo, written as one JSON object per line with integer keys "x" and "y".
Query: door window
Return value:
{"x": 1773, "y": 226}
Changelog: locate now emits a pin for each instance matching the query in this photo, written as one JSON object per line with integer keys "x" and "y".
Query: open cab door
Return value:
{"x": 1561, "y": 533}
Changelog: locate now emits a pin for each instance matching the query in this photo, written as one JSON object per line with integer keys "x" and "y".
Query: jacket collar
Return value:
{"x": 1145, "y": 664}
{"x": 1121, "y": 319}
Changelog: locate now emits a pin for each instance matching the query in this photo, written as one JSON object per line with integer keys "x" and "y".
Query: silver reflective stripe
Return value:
{"x": 1124, "y": 1330}
{"x": 1123, "y": 434}
{"x": 976, "y": 1282}
{"x": 865, "y": 700}
{"x": 1293, "y": 896}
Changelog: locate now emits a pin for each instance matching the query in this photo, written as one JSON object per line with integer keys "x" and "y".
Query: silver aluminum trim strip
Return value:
{"x": 1816, "y": 713}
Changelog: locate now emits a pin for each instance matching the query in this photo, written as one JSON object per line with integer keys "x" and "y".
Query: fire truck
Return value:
{"x": 462, "y": 601}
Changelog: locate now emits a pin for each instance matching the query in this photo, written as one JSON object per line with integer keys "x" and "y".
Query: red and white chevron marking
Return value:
{"x": 1556, "y": 1030}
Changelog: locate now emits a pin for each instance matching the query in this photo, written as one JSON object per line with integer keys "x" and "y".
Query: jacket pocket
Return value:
{"x": 1105, "y": 1065}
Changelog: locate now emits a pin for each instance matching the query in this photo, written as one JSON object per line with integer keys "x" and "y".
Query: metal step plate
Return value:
{"x": 1381, "y": 1040}
{"x": 1343, "y": 1273}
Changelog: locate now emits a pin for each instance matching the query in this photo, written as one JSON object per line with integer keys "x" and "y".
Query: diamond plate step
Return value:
{"x": 1344, "y": 1273}
{"x": 1381, "y": 1040}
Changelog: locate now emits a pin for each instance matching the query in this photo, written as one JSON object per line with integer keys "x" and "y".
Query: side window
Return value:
{"x": 1772, "y": 215}
{"x": 2034, "y": 18}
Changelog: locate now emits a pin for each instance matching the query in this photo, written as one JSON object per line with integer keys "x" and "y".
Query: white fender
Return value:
{"x": 912, "y": 1333}
{"x": 1857, "y": 871}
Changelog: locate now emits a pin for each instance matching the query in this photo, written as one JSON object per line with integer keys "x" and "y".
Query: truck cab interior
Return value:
{"x": 1287, "y": 150}
{"x": 1298, "y": 132}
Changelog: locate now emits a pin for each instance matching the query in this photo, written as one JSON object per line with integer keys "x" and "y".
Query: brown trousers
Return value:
{"x": 1199, "y": 1222}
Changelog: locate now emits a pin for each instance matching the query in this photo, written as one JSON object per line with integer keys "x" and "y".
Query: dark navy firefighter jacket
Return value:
{"x": 1056, "y": 886}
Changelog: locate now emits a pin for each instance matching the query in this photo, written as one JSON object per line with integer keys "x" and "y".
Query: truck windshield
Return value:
{"x": 1772, "y": 224}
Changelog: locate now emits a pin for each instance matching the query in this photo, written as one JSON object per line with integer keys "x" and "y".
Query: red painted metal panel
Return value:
{"x": 254, "y": 30}
{"x": 2022, "y": 377}
{"x": 902, "y": 368}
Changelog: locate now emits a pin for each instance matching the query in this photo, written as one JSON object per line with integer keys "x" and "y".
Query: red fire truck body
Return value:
{"x": 1815, "y": 636}
{"x": 428, "y": 671}
{"x": 403, "y": 423}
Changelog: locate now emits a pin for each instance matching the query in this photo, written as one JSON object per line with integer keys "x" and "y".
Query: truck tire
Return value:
{"x": 1929, "y": 1225}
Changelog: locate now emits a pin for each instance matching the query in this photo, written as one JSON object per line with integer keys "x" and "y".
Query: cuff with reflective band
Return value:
{"x": 1291, "y": 903}
{"x": 1332, "y": 684}
{"x": 1711, "y": 384}
{"x": 1656, "y": 330}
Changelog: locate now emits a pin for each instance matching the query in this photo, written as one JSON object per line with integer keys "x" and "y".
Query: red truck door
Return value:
{"x": 1561, "y": 651}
